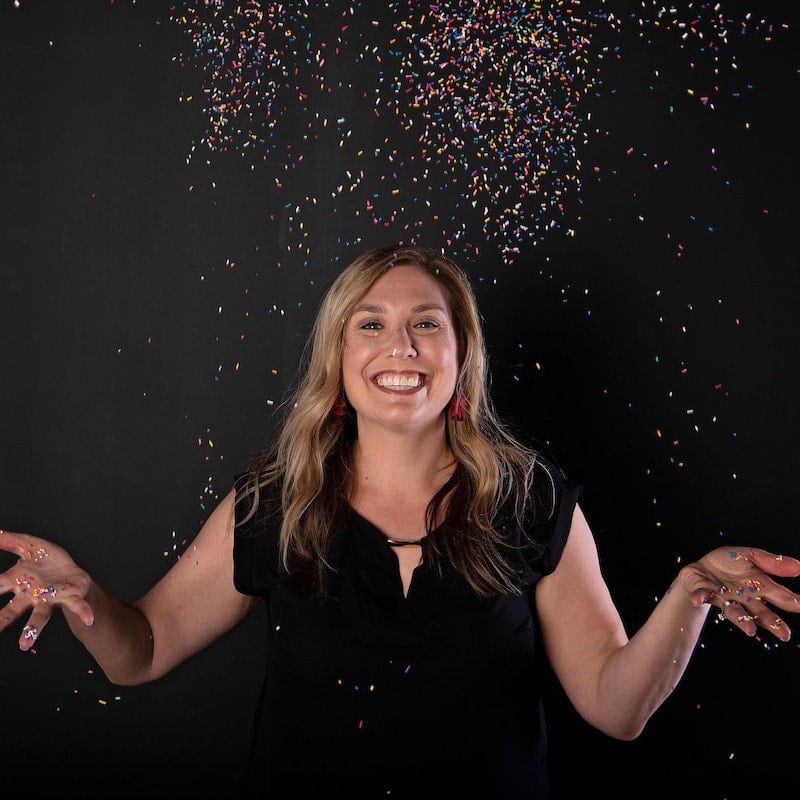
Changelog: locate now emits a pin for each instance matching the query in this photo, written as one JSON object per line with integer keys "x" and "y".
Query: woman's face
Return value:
{"x": 400, "y": 361}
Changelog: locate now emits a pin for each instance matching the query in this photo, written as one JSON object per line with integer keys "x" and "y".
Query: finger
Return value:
{"x": 774, "y": 564}
{"x": 36, "y": 624}
{"x": 700, "y": 587}
{"x": 785, "y": 600}
{"x": 21, "y": 544}
{"x": 735, "y": 613}
{"x": 748, "y": 612}
{"x": 10, "y": 613}
{"x": 80, "y": 608}
{"x": 775, "y": 593}
{"x": 67, "y": 595}
{"x": 701, "y": 595}
{"x": 766, "y": 618}
{"x": 776, "y": 626}
{"x": 755, "y": 591}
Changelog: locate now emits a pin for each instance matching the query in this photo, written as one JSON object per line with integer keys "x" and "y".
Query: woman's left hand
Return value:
{"x": 737, "y": 581}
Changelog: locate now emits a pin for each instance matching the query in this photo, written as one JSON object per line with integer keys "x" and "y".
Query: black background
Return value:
{"x": 156, "y": 294}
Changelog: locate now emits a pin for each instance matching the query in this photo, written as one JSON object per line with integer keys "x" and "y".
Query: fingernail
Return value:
{"x": 30, "y": 633}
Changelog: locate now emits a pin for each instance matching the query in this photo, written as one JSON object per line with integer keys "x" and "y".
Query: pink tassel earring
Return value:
{"x": 336, "y": 415}
{"x": 457, "y": 407}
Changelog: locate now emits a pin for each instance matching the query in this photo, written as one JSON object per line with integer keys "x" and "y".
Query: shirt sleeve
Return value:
{"x": 548, "y": 519}
{"x": 567, "y": 495}
{"x": 256, "y": 555}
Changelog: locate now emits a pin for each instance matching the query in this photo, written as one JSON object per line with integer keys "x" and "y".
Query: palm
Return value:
{"x": 738, "y": 582}
{"x": 44, "y": 576}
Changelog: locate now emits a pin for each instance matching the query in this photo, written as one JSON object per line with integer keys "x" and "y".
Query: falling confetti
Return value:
{"x": 485, "y": 100}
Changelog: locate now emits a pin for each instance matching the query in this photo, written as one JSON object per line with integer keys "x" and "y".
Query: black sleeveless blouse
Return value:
{"x": 372, "y": 695}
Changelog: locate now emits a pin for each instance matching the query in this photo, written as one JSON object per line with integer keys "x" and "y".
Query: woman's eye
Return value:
{"x": 374, "y": 325}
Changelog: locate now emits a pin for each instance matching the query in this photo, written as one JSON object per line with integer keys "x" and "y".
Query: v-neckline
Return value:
{"x": 397, "y": 554}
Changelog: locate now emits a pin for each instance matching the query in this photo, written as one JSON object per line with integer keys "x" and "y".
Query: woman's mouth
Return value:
{"x": 393, "y": 380}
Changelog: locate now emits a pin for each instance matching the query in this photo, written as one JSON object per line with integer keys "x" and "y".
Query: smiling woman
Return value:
{"x": 400, "y": 360}
{"x": 420, "y": 569}
{"x": 396, "y": 315}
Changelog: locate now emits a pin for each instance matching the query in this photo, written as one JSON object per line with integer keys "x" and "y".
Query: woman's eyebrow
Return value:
{"x": 428, "y": 307}
{"x": 415, "y": 310}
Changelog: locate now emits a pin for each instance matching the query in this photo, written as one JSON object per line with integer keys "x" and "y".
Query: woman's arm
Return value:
{"x": 617, "y": 683}
{"x": 191, "y": 606}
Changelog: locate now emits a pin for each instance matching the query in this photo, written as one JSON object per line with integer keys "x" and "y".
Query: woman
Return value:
{"x": 419, "y": 565}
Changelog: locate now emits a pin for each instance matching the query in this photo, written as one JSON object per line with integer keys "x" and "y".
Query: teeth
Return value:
{"x": 399, "y": 381}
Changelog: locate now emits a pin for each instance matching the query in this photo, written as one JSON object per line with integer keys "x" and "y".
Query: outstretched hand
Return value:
{"x": 737, "y": 581}
{"x": 44, "y": 576}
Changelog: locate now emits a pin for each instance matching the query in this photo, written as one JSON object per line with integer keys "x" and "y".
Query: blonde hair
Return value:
{"x": 311, "y": 457}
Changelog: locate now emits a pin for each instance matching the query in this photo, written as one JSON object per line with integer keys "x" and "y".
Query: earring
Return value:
{"x": 457, "y": 407}
{"x": 336, "y": 414}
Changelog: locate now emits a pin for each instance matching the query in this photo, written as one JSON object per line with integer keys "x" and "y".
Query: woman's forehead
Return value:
{"x": 405, "y": 282}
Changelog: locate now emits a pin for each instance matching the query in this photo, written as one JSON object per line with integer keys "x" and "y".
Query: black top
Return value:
{"x": 370, "y": 694}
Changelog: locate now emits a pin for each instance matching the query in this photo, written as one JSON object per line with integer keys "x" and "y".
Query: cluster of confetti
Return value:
{"x": 259, "y": 61}
{"x": 477, "y": 98}
{"x": 485, "y": 100}
{"x": 493, "y": 90}
{"x": 707, "y": 33}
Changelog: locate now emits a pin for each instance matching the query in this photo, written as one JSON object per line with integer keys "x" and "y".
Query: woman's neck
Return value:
{"x": 386, "y": 460}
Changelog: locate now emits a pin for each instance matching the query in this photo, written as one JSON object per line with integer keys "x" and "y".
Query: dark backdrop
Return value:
{"x": 181, "y": 183}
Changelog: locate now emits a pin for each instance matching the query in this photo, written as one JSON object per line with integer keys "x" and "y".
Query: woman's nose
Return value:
{"x": 401, "y": 345}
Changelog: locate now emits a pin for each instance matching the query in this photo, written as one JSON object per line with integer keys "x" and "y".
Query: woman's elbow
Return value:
{"x": 626, "y": 727}
{"x": 625, "y": 733}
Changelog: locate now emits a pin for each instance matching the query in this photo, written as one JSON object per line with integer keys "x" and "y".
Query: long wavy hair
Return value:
{"x": 310, "y": 460}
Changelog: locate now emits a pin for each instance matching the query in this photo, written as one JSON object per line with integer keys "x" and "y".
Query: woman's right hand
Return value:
{"x": 44, "y": 576}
